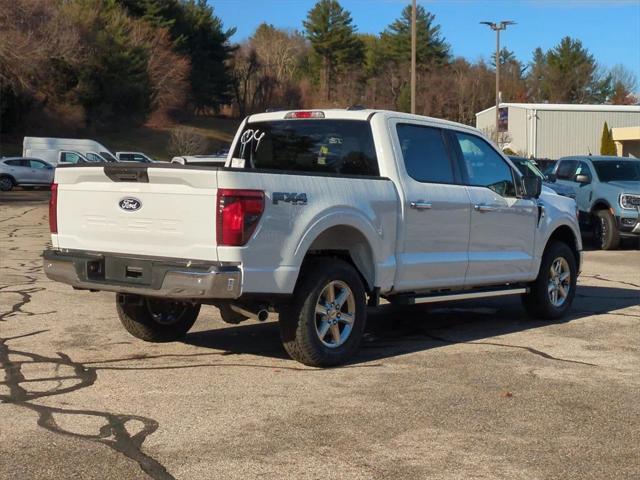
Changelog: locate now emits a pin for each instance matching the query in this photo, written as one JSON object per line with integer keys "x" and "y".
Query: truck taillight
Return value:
{"x": 237, "y": 215}
{"x": 53, "y": 209}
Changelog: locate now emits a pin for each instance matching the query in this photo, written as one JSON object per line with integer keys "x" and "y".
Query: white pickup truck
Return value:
{"x": 316, "y": 215}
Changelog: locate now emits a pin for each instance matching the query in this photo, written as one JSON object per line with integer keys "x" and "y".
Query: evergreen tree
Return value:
{"x": 113, "y": 84}
{"x": 607, "y": 145}
{"x": 431, "y": 47}
{"x": 198, "y": 33}
{"x": 571, "y": 75}
{"x": 333, "y": 38}
{"x": 536, "y": 78}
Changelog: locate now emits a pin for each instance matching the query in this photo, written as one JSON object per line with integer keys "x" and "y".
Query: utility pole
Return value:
{"x": 413, "y": 56}
{"x": 497, "y": 27}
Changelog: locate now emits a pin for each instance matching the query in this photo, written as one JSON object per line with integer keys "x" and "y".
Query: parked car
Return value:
{"x": 528, "y": 167}
{"x": 134, "y": 157}
{"x": 607, "y": 191}
{"x": 24, "y": 172}
{"x": 52, "y": 149}
{"x": 319, "y": 214}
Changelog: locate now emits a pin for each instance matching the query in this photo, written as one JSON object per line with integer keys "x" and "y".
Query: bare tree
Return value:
{"x": 185, "y": 141}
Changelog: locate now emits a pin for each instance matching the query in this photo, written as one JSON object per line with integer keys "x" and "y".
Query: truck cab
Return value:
{"x": 607, "y": 192}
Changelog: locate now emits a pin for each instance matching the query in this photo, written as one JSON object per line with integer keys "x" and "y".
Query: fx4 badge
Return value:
{"x": 292, "y": 198}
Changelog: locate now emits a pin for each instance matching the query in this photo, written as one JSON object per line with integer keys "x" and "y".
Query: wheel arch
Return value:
{"x": 600, "y": 204}
{"x": 350, "y": 244}
{"x": 565, "y": 234}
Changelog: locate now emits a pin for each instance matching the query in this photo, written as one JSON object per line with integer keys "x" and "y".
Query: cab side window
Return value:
{"x": 566, "y": 170}
{"x": 69, "y": 157}
{"x": 583, "y": 169}
{"x": 425, "y": 155}
{"x": 484, "y": 166}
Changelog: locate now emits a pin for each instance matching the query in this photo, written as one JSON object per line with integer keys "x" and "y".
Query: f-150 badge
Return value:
{"x": 292, "y": 198}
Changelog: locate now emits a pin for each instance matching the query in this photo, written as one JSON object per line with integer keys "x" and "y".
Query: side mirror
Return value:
{"x": 552, "y": 177}
{"x": 582, "y": 179}
{"x": 532, "y": 186}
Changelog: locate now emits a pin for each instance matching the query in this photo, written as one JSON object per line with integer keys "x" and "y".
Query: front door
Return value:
{"x": 435, "y": 231}
{"x": 501, "y": 240}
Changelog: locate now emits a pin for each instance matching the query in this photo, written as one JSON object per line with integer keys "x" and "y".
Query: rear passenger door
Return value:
{"x": 501, "y": 240}
{"x": 42, "y": 172}
{"x": 435, "y": 232}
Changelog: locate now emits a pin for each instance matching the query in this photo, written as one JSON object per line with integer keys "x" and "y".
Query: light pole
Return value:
{"x": 413, "y": 56}
{"x": 497, "y": 27}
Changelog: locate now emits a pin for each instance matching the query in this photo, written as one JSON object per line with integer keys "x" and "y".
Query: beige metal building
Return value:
{"x": 542, "y": 130}
{"x": 627, "y": 140}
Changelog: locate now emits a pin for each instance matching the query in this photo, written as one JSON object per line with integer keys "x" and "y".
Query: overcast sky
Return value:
{"x": 609, "y": 29}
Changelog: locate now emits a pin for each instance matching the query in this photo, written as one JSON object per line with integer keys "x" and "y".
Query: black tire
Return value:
{"x": 299, "y": 320}
{"x": 6, "y": 184}
{"x": 141, "y": 317}
{"x": 230, "y": 316}
{"x": 605, "y": 230}
{"x": 538, "y": 302}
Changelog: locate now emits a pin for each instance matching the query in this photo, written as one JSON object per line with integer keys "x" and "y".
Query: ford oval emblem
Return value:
{"x": 130, "y": 204}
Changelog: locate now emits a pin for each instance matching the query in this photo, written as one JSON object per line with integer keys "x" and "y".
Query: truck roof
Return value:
{"x": 598, "y": 158}
{"x": 359, "y": 114}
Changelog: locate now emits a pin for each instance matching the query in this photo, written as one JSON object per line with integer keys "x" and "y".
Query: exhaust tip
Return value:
{"x": 262, "y": 315}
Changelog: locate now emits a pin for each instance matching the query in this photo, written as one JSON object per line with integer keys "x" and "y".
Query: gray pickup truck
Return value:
{"x": 607, "y": 192}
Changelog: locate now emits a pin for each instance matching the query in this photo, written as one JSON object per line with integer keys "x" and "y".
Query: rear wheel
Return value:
{"x": 155, "y": 319}
{"x": 605, "y": 231}
{"x": 551, "y": 294}
{"x": 6, "y": 184}
{"x": 324, "y": 324}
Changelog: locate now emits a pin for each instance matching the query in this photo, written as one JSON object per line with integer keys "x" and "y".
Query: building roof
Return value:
{"x": 568, "y": 107}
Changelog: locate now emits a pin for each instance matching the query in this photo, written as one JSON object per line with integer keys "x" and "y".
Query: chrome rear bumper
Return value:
{"x": 168, "y": 279}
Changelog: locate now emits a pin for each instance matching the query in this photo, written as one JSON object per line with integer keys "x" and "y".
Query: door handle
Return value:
{"x": 421, "y": 205}
{"x": 484, "y": 208}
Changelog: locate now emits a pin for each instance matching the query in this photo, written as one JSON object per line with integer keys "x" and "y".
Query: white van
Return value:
{"x": 66, "y": 150}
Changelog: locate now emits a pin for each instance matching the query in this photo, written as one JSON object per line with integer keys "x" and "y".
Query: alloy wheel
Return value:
{"x": 559, "y": 281}
{"x": 335, "y": 313}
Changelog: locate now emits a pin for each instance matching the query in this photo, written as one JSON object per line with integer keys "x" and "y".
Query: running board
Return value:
{"x": 408, "y": 300}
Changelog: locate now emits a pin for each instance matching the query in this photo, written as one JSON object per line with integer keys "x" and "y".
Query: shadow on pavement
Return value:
{"x": 393, "y": 330}
{"x": 19, "y": 195}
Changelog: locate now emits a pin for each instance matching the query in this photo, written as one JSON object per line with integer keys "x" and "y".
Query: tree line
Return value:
{"x": 101, "y": 63}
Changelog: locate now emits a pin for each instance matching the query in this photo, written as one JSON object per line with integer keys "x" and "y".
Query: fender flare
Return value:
{"x": 342, "y": 217}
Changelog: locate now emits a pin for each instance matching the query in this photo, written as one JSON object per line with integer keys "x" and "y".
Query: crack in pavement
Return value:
{"x": 604, "y": 279}
{"x": 534, "y": 351}
{"x": 113, "y": 433}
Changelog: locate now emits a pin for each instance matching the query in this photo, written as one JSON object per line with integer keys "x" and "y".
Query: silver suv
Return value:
{"x": 19, "y": 171}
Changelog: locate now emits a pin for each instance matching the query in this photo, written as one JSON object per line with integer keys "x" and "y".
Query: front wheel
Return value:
{"x": 155, "y": 319}
{"x": 605, "y": 231}
{"x": 324, "y": 323}
{"x": 551, "y": 294}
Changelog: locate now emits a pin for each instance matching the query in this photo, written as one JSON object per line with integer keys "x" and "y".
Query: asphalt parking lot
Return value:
{"x": 471, "y": 390}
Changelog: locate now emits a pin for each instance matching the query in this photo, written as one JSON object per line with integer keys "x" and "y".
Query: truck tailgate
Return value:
{"x": 148, "y": 211}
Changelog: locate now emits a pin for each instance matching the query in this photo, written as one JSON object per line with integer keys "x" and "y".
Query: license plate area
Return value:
{"x": 128, "y": 270}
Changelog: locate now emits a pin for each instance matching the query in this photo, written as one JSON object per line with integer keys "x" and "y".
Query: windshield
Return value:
{"x": 618, "y": 170}
{"x": 330, "y": 146}
{"x": 108, "y": 157}
{"x": 527, "y": 168}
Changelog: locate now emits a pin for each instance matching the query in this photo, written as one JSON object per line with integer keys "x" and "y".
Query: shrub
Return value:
{"x": 185, "y": 141}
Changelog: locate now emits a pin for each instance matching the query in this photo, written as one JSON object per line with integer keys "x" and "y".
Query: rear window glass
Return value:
{"x": 325, "y": 146}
